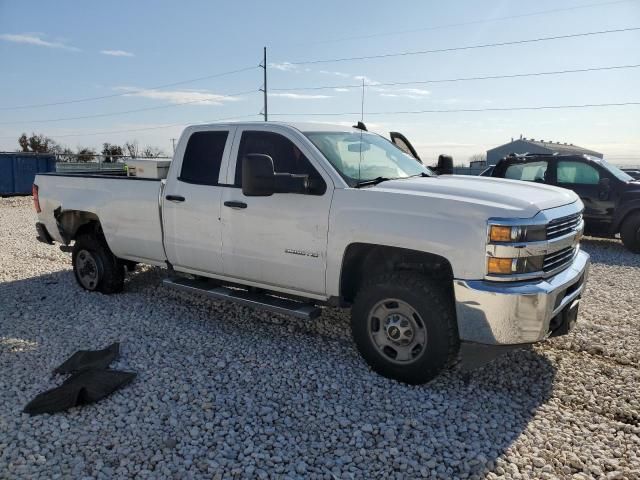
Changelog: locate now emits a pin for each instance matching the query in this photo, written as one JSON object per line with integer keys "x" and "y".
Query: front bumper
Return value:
{"x": 501, "y": 313}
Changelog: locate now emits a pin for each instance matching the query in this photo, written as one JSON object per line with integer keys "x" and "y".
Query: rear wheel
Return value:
{"x": 95, "y": 267}
{"x": 404, "y": 326}
{"x": 630, "y": 232}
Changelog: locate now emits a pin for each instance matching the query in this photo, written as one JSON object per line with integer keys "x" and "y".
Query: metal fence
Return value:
{"x": 468, "y": 170}
{"x": 94, "y": 162}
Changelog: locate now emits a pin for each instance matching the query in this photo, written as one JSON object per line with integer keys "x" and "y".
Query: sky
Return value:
{"x": 64, "y": 51}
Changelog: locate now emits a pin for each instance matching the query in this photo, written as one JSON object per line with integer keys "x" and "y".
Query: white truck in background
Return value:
{"x": 290, "y": 217}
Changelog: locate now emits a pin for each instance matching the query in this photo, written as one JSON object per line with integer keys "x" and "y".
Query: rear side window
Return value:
{"x": 577, "y": 173}
{"x": 202, "y": 158}
{"x": 531, "y": 172}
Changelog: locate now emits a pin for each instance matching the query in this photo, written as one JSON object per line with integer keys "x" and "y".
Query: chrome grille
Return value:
{"x": 561, "y": 226}
{"x": 558, "y": 260}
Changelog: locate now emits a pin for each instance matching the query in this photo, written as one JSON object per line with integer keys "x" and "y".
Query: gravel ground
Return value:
{"x": 228, "y": 392}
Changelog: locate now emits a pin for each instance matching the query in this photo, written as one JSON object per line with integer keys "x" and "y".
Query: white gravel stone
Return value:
{"x": 228, "y": 392}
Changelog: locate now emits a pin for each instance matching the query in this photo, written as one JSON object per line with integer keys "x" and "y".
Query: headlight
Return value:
{"x": 503, "y": 234}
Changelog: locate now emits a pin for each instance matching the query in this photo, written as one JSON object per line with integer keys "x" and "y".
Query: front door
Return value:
{"x": 280, "y": 240}
{"x": 191, "y": 203}
{"x": 587, "y": 181}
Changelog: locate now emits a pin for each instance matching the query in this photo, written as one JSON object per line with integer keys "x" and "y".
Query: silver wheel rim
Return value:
{"x": 87, "y": 269}
{"x": 397, "y": 331}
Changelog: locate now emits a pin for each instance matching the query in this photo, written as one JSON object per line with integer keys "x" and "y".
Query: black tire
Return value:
{"x": 435, "y": 310}
{"x": 95, "y": 267}
{"x": 630, "y": 232}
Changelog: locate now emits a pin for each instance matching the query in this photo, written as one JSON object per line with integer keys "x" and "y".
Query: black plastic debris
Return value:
{"x": 89, "y": 359}
{"x": 90, "y": 381}
{"x": 83, "y": 388}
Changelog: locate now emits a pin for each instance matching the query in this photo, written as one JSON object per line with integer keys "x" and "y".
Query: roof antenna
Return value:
{"x": 360, "y": 125}
{"x": 362, "y": 128}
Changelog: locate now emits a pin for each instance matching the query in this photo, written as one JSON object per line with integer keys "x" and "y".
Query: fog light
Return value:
{"x": 502, "y": 266}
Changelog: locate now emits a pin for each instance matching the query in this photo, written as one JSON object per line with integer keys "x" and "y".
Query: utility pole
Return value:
{"x": 173, "y": 142}
{"x": 265, "y": 110}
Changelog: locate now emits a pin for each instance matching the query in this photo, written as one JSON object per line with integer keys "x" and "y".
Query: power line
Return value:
{"x": 464, "y": 79}
{"x": 458, "y": 110}
{"x": 464, "y": 24}
{"x": 102, "y": 97}
{"x": 466, "y": 47}
{"x": 124, "y": 112}
{"x": 128, "y": 130}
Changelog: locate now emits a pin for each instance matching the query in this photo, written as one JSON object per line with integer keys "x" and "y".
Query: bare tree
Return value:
{"x": 153, "y": 152}
{"x": 111, "y": 152}
{"x": 85, "y": 154}
{"x": 132, "y": 148}
{"x": 38, "y": 143}
{"x": 66, "y": 155}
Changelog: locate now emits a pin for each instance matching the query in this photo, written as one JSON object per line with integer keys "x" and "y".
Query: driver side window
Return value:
{"x": 577, "y": 173}
{"x": 287, "y": 158}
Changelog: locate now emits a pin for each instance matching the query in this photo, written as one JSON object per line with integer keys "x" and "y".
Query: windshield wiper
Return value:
{"x": 374, "y": 181}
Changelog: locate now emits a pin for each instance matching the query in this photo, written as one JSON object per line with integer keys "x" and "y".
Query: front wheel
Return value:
{"x": 404, "y": 326}
{"x": 95, "y": 267}
{"x": 630, "y": 232}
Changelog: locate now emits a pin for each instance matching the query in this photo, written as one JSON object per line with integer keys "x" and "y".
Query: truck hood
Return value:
{"x": 524, "y": 199}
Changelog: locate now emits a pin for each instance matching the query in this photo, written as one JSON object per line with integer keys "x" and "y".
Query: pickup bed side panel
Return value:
{"x": 127, "y": 208}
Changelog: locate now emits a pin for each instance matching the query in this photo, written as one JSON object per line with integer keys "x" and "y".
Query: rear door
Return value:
{"x": 280, "y": 240}
{"x": 585, "y": 179}
{"x": 538, "y": 170}
{"x": 191, "y": 203}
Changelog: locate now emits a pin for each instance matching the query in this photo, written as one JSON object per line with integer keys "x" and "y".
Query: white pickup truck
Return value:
{"x": 291, "y": 217}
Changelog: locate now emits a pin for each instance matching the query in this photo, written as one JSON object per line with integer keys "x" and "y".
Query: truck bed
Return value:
{"x": 128, "y": 209}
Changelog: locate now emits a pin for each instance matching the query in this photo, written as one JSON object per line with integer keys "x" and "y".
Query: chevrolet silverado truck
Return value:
{"x": 294, "y": 217}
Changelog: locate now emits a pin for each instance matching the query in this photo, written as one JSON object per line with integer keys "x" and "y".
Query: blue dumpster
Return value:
{"x": 17, "y": 170}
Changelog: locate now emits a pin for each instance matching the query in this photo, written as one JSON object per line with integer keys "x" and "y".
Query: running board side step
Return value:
{"x": 256, "y": 300}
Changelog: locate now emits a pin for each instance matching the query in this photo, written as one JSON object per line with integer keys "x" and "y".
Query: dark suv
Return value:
{"x": 611, "y": 197}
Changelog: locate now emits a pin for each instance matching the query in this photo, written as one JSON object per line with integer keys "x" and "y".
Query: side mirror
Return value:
{"x": 260, "y": 180}
{"x": 258, "y": 176}
{"x": 605, "y": 188}
{"x": 445, "y": 165}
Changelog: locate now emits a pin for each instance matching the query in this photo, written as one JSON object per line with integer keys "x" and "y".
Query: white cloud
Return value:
{"x": 180, "y": 96}
{"x": 283, "y": 66}
{"x": 413, "y": 93}
{"x": 117, "y": 53}
{"x": 299, "y": 96}
{"x": 35, "y": 39}
{"x": 367, "y": 80}
{"x": 337, "y": 74}
{"x": 341, "y": 90}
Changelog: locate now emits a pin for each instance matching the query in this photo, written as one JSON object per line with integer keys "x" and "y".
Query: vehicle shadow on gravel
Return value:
{"x": 610, "y": 252}
{"x": 295, "y": 391}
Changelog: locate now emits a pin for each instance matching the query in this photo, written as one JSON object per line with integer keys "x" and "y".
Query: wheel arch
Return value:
{"x": 627, "y": 210}
{"x": 72, "y": 223}
{"x": 363, "y": 260}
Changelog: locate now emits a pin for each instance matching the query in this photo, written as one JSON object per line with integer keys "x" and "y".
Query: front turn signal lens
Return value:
{"x": 499, "y": 233}
{"x": 501, "y": 266}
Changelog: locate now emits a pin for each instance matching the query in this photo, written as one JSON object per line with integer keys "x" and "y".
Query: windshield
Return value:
{"x": 619, "y": 174}
{"x": 362, "y": 157}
